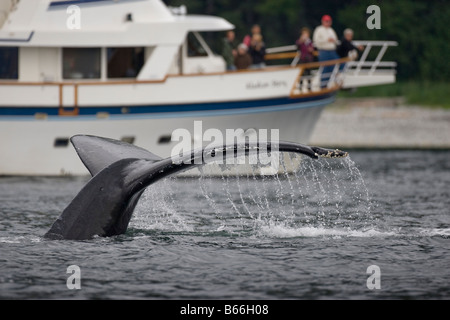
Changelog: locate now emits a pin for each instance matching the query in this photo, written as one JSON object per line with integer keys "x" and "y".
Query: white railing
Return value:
{"x": 359, "y": 72}
{"x": 320, "y": 77}
{"x": 355, "y": 66}
{"x": 372, "y": 66}
{"x": 286, "y": 51}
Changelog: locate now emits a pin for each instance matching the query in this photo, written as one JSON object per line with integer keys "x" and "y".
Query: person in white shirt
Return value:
{"x": 324, "y": 36}
{"x": 325, "y": 40}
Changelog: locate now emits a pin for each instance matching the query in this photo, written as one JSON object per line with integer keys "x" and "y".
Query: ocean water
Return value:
{"x": 375, "y": 225}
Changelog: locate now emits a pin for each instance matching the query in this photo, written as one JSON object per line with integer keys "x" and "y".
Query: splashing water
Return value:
{"x": 307, "y": 197}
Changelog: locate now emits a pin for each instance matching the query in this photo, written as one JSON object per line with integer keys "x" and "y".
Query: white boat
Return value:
{"x": 136, "y": 70}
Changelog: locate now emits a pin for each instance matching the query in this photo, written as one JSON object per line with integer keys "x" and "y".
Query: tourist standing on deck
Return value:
{"x": 243, "y": 60}
{"x": 228, "y": 50}
{"x": 325, "y": 40}
{"x": 257, "y": 52}
{"x": 256, "y": 29}
{"x": 305, "y": 46}
{"x": 306, "y": 49}
{"x": 347, "y": 48}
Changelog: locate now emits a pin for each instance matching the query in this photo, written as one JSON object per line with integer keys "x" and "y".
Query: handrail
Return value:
{"x": 356, "y": 67}
{"x": 386, "y": 64}
{"x": 375, "y": 43}
{"x": 292, "y": 47}
{"x": 311, "y": 65}
{"x": 282, "y": 55}
{"x": 61, "y": 110}
{"x": 353, "y": 67}
{"x": 317, "y": 78}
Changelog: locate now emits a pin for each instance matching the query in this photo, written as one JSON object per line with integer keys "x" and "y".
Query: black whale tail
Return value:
{"x": 121, "y": 172}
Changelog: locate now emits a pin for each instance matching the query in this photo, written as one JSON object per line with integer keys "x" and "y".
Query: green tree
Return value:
{"x": 420, "y": 29}
{"x": 436, "y": 49}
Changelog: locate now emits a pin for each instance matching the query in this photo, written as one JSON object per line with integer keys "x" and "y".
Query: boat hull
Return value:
{"x": 33, "y": 146}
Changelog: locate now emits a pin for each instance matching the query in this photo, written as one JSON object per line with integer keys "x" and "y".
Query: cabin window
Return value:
{"x": 125, "y": 62}
{"x": 194, "y": 47}
{"x": 9, "y": 63}
{"x": 81, "y": 63}
{"x": 61, "y": 142}
{"x": 165, "y": 139}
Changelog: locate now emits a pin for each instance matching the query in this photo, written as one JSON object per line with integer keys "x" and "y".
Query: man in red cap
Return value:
{"x": 325, "y": 39}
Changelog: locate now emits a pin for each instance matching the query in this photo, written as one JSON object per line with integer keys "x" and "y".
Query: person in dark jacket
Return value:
{"x": 347, "y": 48}
{"x": 257, "y": 51}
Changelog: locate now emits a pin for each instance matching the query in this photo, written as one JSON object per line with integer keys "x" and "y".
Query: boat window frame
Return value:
{"x": 138, "y": 67}
{"x": 203, "y": 44}
{"x": 13, "y": 72}
{"x": 98, "y": 75}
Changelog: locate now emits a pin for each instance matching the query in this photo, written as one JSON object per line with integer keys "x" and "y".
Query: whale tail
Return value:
{"x": 97, "y": 153}
{"x": 121, "y": 172}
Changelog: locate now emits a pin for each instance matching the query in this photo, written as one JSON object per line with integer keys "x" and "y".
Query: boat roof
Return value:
{"x": 98, "y": 23}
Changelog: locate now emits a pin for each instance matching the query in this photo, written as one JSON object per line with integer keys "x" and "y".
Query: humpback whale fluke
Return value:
{"x": 121, "y": 172}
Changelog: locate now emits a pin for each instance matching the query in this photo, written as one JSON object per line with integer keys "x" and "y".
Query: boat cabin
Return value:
{"x": 149, "y": 42}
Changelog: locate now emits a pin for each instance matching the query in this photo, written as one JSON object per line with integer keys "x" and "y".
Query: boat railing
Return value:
{"x": 291, "y": 52}
{"x": 319, "y": 77}
{"x": 314, "y": 77}
{"x": 372, "y": 66}
{"x": 283, "y": 52}
{"x": 369, "y": 67}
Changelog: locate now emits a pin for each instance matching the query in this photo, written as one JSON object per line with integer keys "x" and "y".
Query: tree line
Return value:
{"x": 419, "y": 26}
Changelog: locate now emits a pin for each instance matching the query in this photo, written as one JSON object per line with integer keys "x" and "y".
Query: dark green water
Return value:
{"x": 307, "y": 236}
